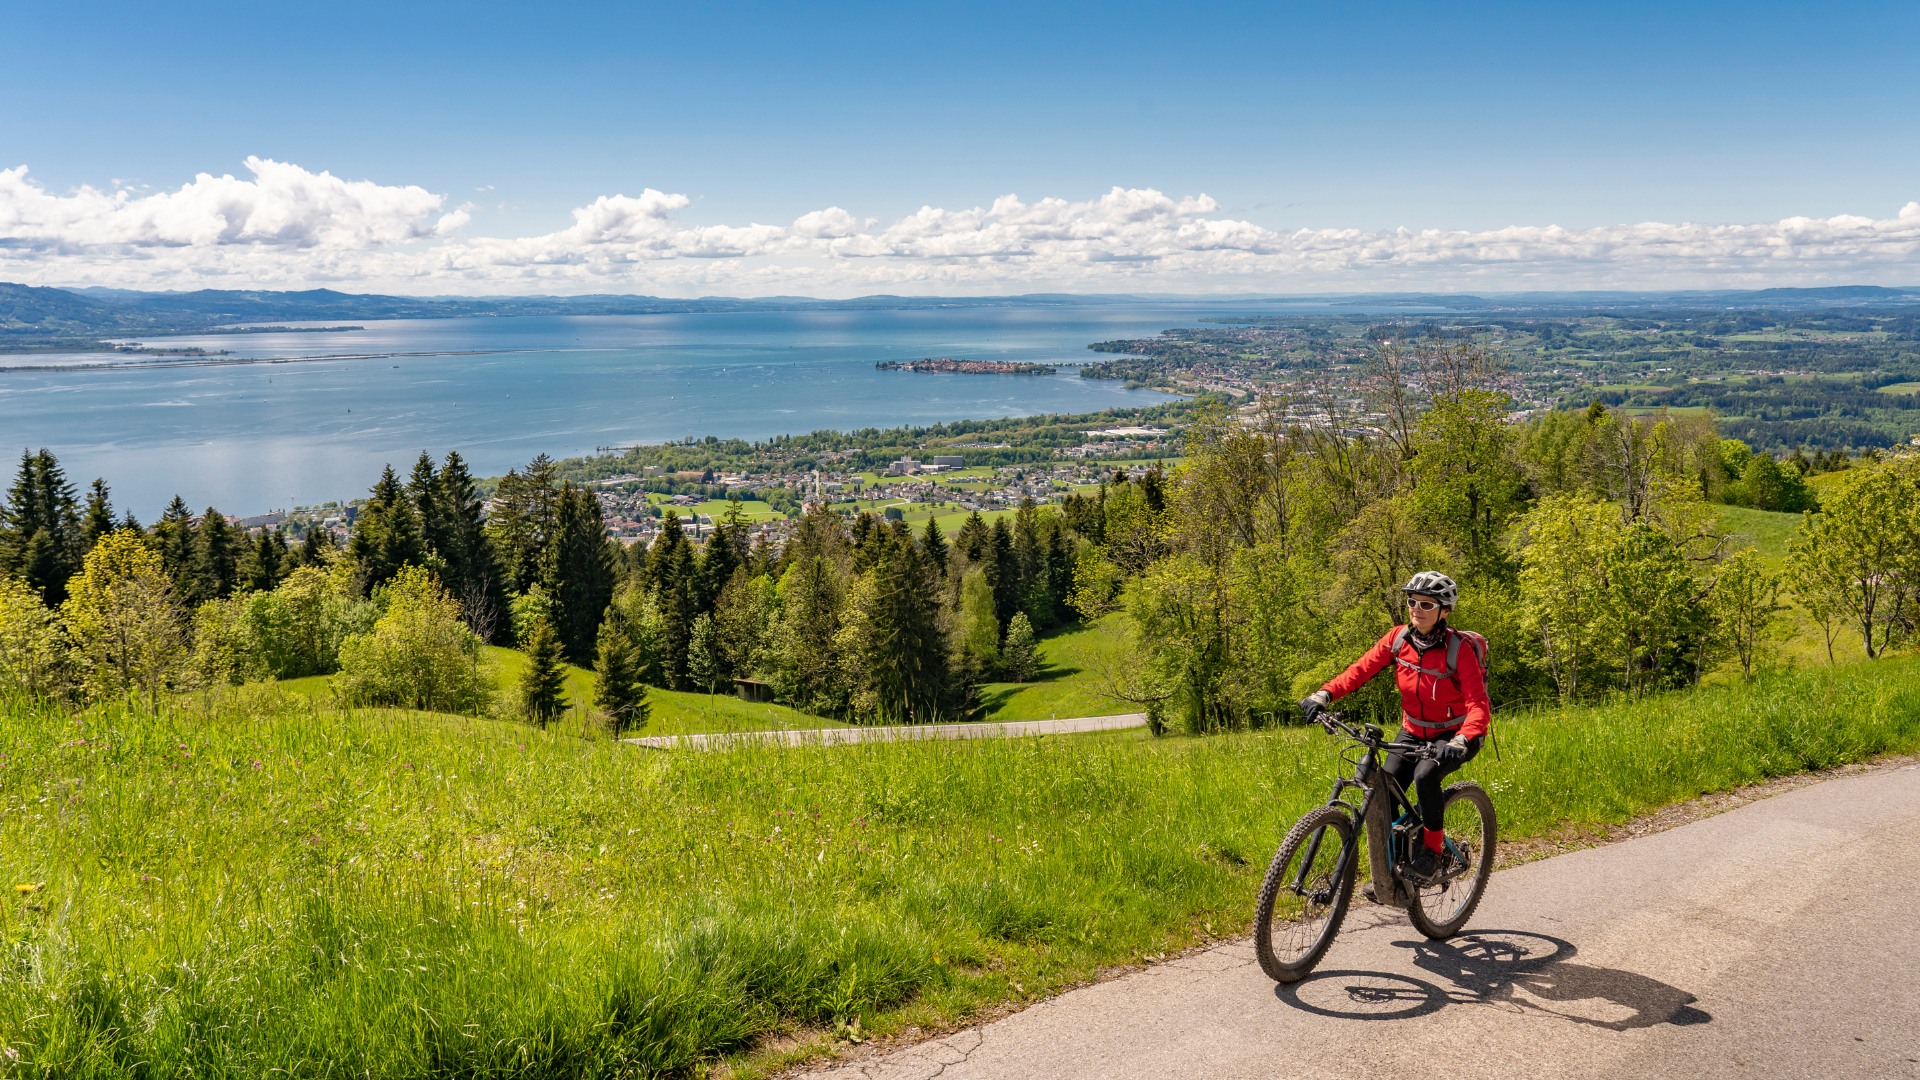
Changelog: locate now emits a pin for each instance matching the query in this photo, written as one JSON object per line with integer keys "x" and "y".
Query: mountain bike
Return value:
{"x": 1310, "y": 884}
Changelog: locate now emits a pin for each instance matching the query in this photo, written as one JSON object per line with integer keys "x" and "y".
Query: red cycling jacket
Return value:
{"x": 1427, "y": 694}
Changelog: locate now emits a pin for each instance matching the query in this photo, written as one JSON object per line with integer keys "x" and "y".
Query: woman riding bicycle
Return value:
{"x": 1443, "y": 701}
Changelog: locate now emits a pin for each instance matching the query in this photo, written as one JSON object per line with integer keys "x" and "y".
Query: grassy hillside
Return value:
{"x": 674, "y": 712}
{"x": 268, "y": 888}
{"x": 1798, "y": 640}
{"x": 1075, "y": 669}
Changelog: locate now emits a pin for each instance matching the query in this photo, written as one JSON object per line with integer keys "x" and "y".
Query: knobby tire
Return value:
{"x": 1441, "y": 911}
{"x": 1291, "y": 963}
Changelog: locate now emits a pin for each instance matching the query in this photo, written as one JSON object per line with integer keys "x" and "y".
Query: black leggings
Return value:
{"x": 1422, "y": 776}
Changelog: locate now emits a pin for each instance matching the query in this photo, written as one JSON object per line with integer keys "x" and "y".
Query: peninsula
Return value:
{"x": 946, "y": 365}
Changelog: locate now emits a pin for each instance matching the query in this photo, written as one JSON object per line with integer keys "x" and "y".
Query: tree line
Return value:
{"x": 855, "y": 617}
{"x": 1585, "y": 542}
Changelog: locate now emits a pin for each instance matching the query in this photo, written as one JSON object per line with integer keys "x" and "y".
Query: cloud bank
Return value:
{"x": 287, "y": 227}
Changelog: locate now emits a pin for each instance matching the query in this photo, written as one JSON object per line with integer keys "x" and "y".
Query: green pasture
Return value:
{"x": 250, "y": 885}
{"x": 1077, "y": 666}
{"x": 674, "y": 712}
{"x": 1901, "y": 388}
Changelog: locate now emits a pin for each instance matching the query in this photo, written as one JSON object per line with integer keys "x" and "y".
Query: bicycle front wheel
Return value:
{"x": 1305, "y": 895}
{"x": 1440, "y": 910}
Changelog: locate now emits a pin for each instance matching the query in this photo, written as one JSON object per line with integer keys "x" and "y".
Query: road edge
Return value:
{"x": 813, "y": 1051}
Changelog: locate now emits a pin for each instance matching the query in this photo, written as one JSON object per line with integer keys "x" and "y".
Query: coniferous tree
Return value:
{"x": 386, "y": 534}
{"x": 216, "y": 559}
{"x": 1003, "y": 569}
{"x": 97, "y": 521}
{"x": 934, "y": 543}
{"x": 265, "y": 562}
{"x": 618, "y": 691}
{"x": 473, "y": 574}
{"x": 1030, "y": 561}
{"x": 173, "y": 538}
{"x": 521, "y": 525}
{"x": 423, "y": 492}
{"x": 40, "y": 530}
{"x": 670, "y": 576}
{"x": 726, "y": 552}
{"x": 543, "y": 684}
{"x": 865, "y": 526}
{"x": 579, "y": 573}
{"x": 975, "y": 539}
{"x": 1060, "y": 557}
{"x": 316, "y": 547}
{"x": 905, "y": 669}
{"x": 130, "y": 523}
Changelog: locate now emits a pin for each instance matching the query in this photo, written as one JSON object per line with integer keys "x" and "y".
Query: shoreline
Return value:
{"x": 232, "y": 361}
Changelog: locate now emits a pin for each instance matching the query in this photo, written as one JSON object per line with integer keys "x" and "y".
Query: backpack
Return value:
{"x": 1474, "y": 641}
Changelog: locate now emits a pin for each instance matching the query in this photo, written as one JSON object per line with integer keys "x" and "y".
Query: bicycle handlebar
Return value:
{"x": 1372, "y": 737}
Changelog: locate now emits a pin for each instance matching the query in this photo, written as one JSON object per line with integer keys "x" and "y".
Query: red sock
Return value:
{"x": 1436, "y": 840}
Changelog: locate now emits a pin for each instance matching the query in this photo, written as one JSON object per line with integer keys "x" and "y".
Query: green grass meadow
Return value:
{"x": 258, "y": 885}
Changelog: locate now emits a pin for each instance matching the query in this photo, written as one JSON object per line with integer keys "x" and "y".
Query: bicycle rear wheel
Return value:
{"x": 1305, "y": 895}
{"x": 1440, "y": 910}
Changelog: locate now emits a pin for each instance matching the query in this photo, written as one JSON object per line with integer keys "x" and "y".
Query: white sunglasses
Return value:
{"x": 1424, "y": 605}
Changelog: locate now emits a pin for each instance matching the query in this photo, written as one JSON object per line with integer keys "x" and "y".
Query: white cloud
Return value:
{"x": 288, "y": 227}
{"x": 282, "y": 205}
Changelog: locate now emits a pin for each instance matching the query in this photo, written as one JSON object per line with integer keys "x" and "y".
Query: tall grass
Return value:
{"x": 265, "y": 886}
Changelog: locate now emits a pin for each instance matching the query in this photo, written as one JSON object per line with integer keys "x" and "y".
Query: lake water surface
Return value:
{"x": 252, "y": 437}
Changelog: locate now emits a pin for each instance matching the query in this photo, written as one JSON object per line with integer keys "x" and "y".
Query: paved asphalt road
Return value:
{"x": 839, "y": 736}
{"x": 1781, "y": 939}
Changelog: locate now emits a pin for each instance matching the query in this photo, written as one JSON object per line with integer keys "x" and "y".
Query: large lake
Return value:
{"x": 252, "y": 437}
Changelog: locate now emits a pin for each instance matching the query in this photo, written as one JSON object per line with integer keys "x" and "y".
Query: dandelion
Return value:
{"x": 24, "y": 888}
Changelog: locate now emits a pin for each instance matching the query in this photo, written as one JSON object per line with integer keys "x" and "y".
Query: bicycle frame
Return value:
{"x": 1382, "y": 803}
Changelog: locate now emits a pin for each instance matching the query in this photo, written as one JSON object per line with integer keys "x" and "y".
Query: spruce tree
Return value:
{"x": 386, "y": 534}
{"x": 1003, "y": 569}
{"x": 717, "y": 564}
{"x": 618, "y": 691}
{"x": 215, "y": 559}
{"x": 543, "y": 684}
{"x": 423, "y": 492}
{"x": 934, "y": 543}
{"x": 173, "y": 537}
{"x": 670, "y": 573}
{"x": 975, "y": 539}
{"x": 522, "y": 521}
{"x": 907, "y": 670}
{"x": 40, "y": 531}
{"x": 97, "y": 521}
{"x": 473, "y": 573}
{"x": 265, "y": 562}
{"x": 579, "y": 572}
{"x": 316, "y": 546}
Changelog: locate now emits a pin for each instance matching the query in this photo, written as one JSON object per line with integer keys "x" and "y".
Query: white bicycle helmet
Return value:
{"x": 1435, "y": 584}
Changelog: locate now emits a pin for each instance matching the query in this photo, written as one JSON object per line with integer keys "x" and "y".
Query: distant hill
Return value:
{"x": 36, "y": 316}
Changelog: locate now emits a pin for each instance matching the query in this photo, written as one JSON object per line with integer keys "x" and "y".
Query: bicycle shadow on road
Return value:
{"x": 1517, "y": 970}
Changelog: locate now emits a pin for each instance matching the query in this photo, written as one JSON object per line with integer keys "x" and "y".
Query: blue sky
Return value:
{"x": 1320, "y": 117}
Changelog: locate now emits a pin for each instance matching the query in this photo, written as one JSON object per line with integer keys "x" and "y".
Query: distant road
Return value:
{"x": 842, "y": 736}
{"x": 1781, "y": 939}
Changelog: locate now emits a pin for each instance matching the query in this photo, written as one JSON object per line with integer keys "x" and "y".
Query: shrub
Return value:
{"x": 419, "y": 654}
{"x": 33, "y": 645}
